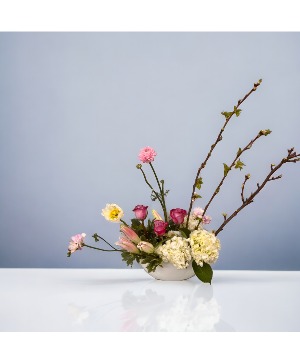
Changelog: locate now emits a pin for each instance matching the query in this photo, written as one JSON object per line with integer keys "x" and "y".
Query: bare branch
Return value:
{"x": 219, "y": 138}
{"x": 291, "y": 157}
{"x": 247, "y": 176}
{"x": 234, "y": 164}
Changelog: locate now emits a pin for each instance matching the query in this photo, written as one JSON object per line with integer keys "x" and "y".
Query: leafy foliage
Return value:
{"x": 227, "y": 114}
{"x": 239, "y": 152}
{"x": 185, "y": 232}
{"x": 239, "y": 164}
{"x": 196, "y": 196}
{"x": 226, "y": 169}
{"x": 265, "y": 132}
{"x": 152, "y": 261}
{"x": 96, "y": 237}
{"x": 204, "y": 273}
{"x": 129, "y": 258}
{"x": 199, "y": 183}
{"x": 237, "y": 111}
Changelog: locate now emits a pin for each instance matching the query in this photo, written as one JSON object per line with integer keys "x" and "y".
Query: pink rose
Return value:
{"x": 160, "y": 227}
{"x": 178, "y": 215}
{"x": 141, "y": 212}
{"x": 147, "y": 155}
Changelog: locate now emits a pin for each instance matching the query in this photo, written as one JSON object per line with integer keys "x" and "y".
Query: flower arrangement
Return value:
{"x": 180, "y": 236}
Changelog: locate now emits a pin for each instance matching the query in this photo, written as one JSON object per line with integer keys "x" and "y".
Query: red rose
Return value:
{"x": 141, "y": 212}
{"x": 178, "y": 215}
{"x": 160, "y": 227}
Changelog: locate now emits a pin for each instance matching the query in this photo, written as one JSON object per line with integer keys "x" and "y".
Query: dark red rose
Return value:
{"x": 178, "y": 215}
{"x": 160, "y": 227}
{"x": 141, "y": 212}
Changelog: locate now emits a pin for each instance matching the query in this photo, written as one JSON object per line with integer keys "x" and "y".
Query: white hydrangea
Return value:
{"x": 193, "y": 222}
{"x": 204, "y": 246}
{"x": 172, "y": 233}
{"x": 176, "y": 251}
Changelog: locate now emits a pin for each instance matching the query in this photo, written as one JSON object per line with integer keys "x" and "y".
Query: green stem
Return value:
{"x": 104, "y": 250}
{"x": 156, "y": 194}
{"x": 161, "y": 192}
{"x": 100, "y": 237}
{"x": 124, "y": 222}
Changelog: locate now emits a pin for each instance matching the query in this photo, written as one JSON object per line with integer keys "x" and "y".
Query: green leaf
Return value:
{"x": 237, "y": 111}
{"x": 129, "y": 258}
{"x": 265, "y": 132}
{"x": 239, "y": 152}
{"x": 226, "y": 169}
{"x": 152, "y": 261}
{"x": 96, "y": 237}
{"x": 185, "y": 232}
{"x": 204, "y": 273}
{"x": 195, "y": 196}
{"x": 199, "y": 182}
{"x": 239, "y": 164}
{"x": 135, "y": 222}
{"x": 227, "y": 114}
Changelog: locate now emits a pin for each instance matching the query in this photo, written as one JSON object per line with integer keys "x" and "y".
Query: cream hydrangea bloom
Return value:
{"x": 204, "y": 246}
{"x": 176, "y": 251}
{"x": 112, "y": 212}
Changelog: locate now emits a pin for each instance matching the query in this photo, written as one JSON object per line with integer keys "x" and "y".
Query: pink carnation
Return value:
{"x": 76, "y": 243}
{"x": 206, "y": 219}
{"x": 147, "y": 155}
{"x": 198, "y": 212}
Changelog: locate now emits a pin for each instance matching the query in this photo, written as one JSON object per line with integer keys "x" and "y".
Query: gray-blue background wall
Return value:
{"x": 75, "y": 109}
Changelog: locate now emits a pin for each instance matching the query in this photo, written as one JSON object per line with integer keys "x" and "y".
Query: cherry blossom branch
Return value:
{"x": 292, "y": 157}
{"x": 228, "y": 115}
{"x": 237, "y": 163}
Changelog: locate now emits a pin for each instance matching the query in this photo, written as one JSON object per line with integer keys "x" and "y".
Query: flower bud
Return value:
{"x": 130, "y": 234}
{"x": 127, "y": 245}
{"x": 156, "y": 215}
{"x": 146, "y": 247}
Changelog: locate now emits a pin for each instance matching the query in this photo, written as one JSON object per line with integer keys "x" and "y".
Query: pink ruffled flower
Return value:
{"x": 141, "y": 212}
{"x": 178, "y": 215}
{"x": 198, "y": 212}
{"x": 206, "y": 219}
{"x": 76, "y": 243}
{"x": 160, "y": 227}
{"x": 127, "y": 245}
{"x": 147, "y": 155}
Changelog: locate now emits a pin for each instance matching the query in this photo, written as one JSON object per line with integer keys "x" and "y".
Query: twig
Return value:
{"x": 163, "y": 203}
{"x": 239, "y": 153}
{"x": 139, "y": 166}
{"x": 292, "y": 157}
{"x": 219, "y": 138}
{"x": 247, "y": 176}
{"x": 98, "y": 237}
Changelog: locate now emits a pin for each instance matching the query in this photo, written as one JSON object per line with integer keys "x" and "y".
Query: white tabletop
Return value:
{"x": 130, "y": 300}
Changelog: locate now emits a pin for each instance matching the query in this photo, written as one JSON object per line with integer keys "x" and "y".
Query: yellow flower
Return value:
{"x": 112, "y": 212}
